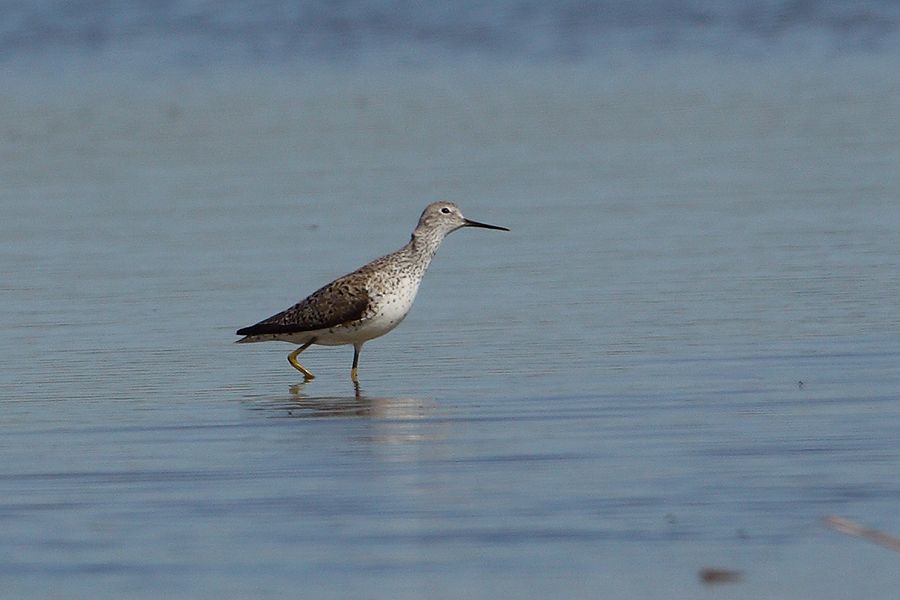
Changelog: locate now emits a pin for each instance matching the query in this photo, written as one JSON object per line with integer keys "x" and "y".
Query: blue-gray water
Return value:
{"x": 599, "y": 403}
{"x": 145, "y": 34}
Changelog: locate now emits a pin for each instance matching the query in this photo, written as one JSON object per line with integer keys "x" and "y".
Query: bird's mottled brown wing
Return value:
{"x": 341, "y": 301}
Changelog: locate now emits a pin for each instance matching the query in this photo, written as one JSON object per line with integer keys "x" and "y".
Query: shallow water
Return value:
{"x": 683, "y": 355}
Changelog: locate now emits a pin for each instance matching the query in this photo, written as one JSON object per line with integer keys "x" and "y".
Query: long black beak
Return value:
{"x": 470, "y": 223}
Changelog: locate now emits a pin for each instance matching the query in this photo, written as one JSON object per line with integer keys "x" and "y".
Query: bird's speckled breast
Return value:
{"x": 391, "y": 300}
{"x": 391, "y": 297}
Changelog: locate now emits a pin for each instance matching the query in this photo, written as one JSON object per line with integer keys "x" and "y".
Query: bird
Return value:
{"x": 367, "y": 303}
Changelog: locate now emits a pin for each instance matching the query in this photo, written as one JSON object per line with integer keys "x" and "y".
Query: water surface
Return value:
{"x": 683, "y": 355}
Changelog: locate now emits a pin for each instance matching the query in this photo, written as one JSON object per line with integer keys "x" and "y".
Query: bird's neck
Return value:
{"x": 423, "y": 245}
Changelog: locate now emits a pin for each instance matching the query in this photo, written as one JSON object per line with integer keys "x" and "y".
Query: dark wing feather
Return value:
{"x": 338, "y": 302}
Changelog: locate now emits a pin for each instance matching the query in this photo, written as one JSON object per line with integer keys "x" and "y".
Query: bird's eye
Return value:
{"x": 445, "y": 210}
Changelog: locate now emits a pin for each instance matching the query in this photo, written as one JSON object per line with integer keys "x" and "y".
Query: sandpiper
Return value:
{"x": 367, "y": 303}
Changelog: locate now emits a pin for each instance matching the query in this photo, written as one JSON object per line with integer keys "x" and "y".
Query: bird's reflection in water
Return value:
{"x": 301, "y": 404}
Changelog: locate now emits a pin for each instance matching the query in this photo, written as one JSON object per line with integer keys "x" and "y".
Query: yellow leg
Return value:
{"x": 292, "y": 358}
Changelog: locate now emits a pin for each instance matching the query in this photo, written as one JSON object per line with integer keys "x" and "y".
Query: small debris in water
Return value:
{"x": 711, "y": 576}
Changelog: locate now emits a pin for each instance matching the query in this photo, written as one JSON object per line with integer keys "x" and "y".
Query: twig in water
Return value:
{"x": 855, "y": 529}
